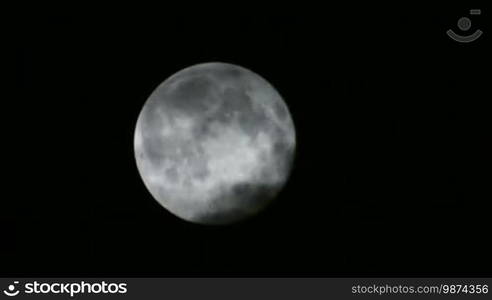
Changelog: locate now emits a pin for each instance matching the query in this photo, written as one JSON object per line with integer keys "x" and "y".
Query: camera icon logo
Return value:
{"x": 464, "y": 24}
{"x": 11, "y": 291}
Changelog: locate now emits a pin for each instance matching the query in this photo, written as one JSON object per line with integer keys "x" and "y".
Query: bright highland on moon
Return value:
{"x": 214, "y": 143}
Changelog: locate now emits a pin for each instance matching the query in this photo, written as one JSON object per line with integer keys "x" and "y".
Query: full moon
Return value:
{"x": 214, "y": 143}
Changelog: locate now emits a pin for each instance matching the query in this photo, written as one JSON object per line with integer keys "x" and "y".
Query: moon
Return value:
{"x": 214, "y": 143}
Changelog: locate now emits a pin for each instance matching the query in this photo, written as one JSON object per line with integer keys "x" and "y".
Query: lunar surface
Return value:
{"x": 214, "y": 143}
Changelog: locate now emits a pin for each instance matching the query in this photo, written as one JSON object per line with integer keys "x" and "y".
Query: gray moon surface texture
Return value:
{"x": 214, "y": 143}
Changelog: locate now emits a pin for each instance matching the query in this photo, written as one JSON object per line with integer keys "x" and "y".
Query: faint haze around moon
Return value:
{"x": 214, "y": 143}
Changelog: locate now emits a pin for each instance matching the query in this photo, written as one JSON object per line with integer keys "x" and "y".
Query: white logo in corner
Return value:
{"x": 10, "y": 291}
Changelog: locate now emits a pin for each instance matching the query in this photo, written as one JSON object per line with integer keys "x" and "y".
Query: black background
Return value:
{"x": 392, "y": 174}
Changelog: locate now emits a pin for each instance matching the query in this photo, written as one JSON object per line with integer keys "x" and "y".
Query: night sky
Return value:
{"x": 392, "y": 174}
